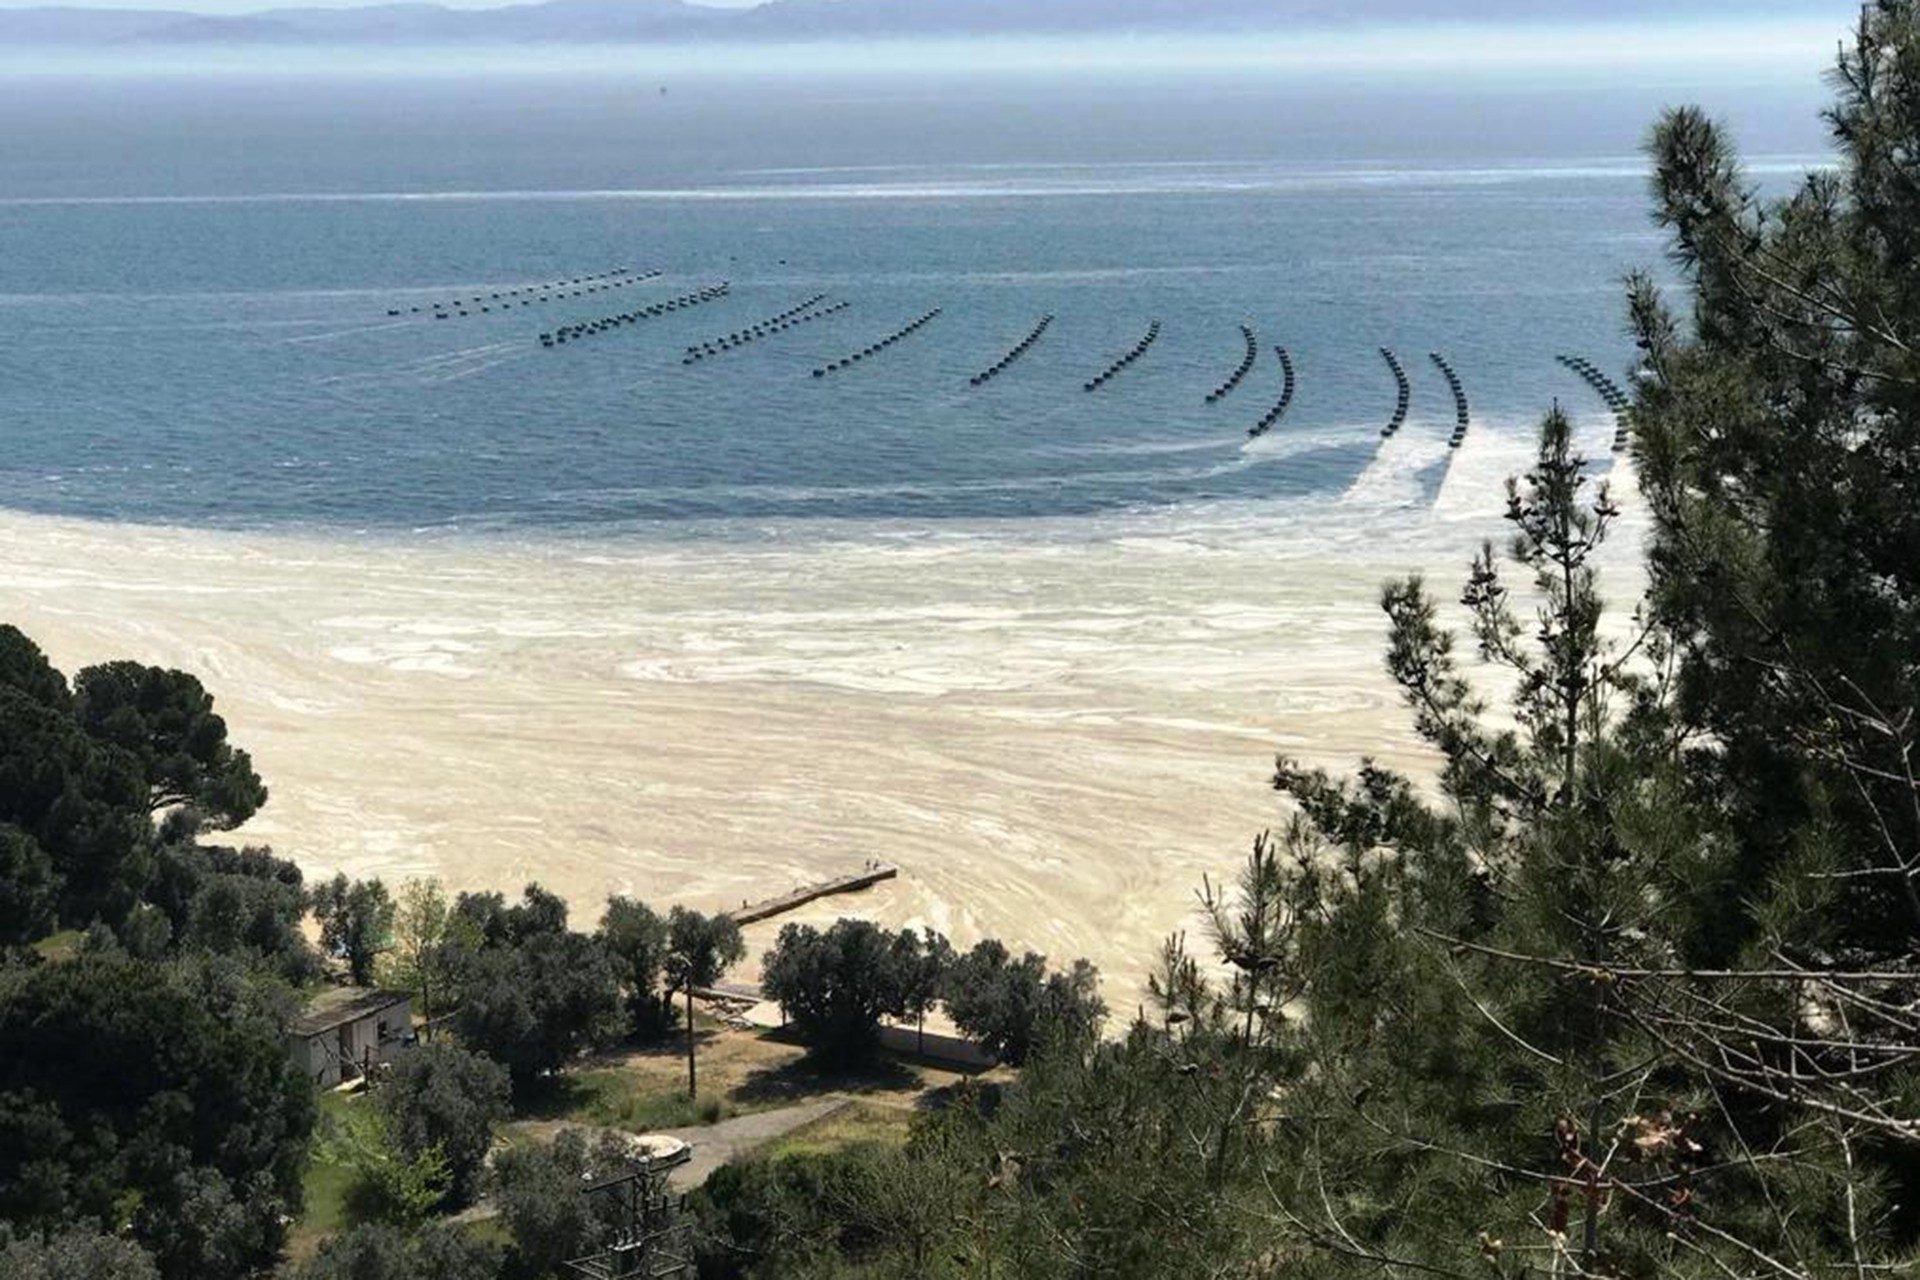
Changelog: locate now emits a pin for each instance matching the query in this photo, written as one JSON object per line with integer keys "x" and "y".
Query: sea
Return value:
{"x": 596, "y": 615}
{"x": 318, "y": 302}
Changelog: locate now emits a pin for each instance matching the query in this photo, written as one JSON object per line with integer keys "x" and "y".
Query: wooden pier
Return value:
{"x": 766, "y": 909}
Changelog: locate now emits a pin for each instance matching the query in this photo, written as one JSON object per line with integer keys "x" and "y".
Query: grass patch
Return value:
{"x": 854, "y": 1125}
{"x": 619, "y": 1098}
{"x": 64, "y": 945}
{"x": 642, "y": 1089}
{"x": 324, "y": 1188}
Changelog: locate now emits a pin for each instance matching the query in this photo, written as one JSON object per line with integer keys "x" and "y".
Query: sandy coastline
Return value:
{"x": 1053, "y": 737}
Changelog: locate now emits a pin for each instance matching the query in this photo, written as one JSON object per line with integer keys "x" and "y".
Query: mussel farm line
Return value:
{"x": 527, "y": 295}
{"x": 1252, "y": 354}
{"x": 1139, "y": 349}
{"x": 875, "y": 349}
{"x": 606, "y": 324}
{"x": 763, "y": 329}
{"x": 1461, "y": 414}
{"x": 1405, "y": 395}
{"x": 1271, "y": 417}
{"x": 1617, "y": 400}
{"x": 1020, "y": 348}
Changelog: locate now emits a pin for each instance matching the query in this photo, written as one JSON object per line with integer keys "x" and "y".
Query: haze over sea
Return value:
{"x": 588, "y": 614}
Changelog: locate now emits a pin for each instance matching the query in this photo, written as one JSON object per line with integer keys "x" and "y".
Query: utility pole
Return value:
{"x": 693, "y": 1077}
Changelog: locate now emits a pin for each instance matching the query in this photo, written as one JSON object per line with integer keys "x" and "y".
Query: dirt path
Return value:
{"x": 713, "y": 1144}
{"x": 717, "y": 1144}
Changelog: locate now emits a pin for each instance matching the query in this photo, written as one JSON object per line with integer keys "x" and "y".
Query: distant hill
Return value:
{"x": 652, "y": 21}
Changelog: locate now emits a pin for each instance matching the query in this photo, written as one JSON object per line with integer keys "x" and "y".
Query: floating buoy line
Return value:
{"x": 1617, "y": 400}
{"x": 528, "y": 295}
{"x": 1226, "y": 388}
{"x": 1462, "y": 416}
{"x": 1405, "y": 395}
{"x": 1020, "y": 348}
{"x": 898, "y": 335}
{"x": 1271, "y": 417}
{"x": 605, "y": 324}
{"x": 1139, "y": 349}
{"x": 787, "y": 319}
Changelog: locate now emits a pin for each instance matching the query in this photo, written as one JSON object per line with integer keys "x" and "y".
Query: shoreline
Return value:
{"x": 1053, "y": 740}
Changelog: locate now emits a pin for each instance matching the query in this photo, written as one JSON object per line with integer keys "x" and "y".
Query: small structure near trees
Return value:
{"x": 347, "y": 1032}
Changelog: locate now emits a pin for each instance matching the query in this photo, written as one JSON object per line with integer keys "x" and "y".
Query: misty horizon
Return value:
{"x": 158, "y": 27}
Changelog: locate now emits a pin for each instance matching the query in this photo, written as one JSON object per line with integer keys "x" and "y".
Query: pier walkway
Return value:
{"x": 767, "y": 908}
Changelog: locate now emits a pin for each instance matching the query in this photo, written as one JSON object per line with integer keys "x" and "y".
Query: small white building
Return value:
{"x": 347, "y": 1032}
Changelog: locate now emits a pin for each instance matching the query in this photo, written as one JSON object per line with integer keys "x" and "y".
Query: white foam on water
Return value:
{"x": 481, "y": 366}
{"x": 355, "y": 332}
{"x": 1054, "y": 725}
{"x": 1138, "y": 448}
{"x": 973, "y": 182}
{"x": 1477, "y": 473}
{"x": 1287, "y": 440}
{"x": 1392, "y": 479}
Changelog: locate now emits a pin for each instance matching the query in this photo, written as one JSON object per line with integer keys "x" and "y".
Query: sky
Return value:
{"x": 1691, "y": 50}
{"x": 256, "y": 6}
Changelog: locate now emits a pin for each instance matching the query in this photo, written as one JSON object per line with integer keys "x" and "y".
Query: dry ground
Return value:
{"x": 740, "y": 1073}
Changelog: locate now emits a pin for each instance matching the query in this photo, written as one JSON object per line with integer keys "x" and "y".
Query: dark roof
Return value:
{"x": 337, "y": 1006}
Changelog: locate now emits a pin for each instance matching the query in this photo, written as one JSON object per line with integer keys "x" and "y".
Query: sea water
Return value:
{"x": 197, "y": 280}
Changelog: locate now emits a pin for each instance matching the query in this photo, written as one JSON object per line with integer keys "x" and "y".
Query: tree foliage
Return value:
{"x": 391, "y": 1181}
{"x": 540, "y": 1190}
{"x": 238, "y": 902}
{"x": 1778, "y": 435}
{"x": 636, "y": 938}
{"x": 428, "y": 939}
{"x": 489, "y": 919}
{"x": 440, "y": 1097}
{"x": 165, "y": 720}
{"x": 378, "y": 1251}
{"x": 82, "y": 773}
{"x": 72, "y": 1254}
{"x": 1009, "y": 1006}
{"x": 29, "y": 888}
{"x": 163, "y": 1088}
{"x": 837, "y": 985}
{"x": 80, "y": 803}
{"x": 356, "y": 921}
{"x": 537, "y": 994}
{"x": 700, "y": 949}
{"x": 25, "y": 669}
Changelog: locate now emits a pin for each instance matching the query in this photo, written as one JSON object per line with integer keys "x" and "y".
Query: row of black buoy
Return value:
{"x": 606, "y": 324}
{"x": 1225, "y": 389}
{"x": 1139, "y": 349}
{"x": 1617, "y": 400}
{"x": 1020, "y": 348}
{"x": 1271, "y": 417}
{"x": 527, "y": 295}
{"x": 765, "y": 328}
{"x": 896, "y": 336}
{"x": 1461, "y": 414}
{"x": 1405, "y": 399}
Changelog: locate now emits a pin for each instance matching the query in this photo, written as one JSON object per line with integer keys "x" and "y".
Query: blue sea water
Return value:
{"x": 196, "y": 280}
